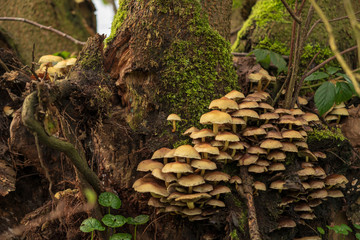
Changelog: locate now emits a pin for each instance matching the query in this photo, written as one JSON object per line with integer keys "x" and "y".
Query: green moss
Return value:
{"x": 119, "y": 18}
{"x": 310, "y": 50}
{"x": 234, "y": 235}
{"x": 263, "y": 13}
{"x": 197, "y": 70}
{"x": 273, "y": 45}
{"x": 326, "y": 134}
{"x": 181, "y": 142}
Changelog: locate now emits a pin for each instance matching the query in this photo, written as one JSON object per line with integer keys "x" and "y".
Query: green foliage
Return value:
{"x": 121, "y": 236}
{"x": 325, "y": 97}
{"x": 310, "y": 50}
{"x": 181, "y": 142}
{"x": 274, "y": 46}
{"x": 321, "y": 134}
{"x": 265, "y": 57}
{"x": 317, "y": 76}
{"x": 237, "y": 4}
{"x": 119, "y": 18}
{"x": 234, "y": 235}
{"x": 63, "y": 54}
{"x": 90, "y": 196}
{"x": 108, "y": 199}
{"x": 321, "y": 230}
{"x": 342, "y": 229}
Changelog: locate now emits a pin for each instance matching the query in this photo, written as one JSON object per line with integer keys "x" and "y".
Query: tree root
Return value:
{"x": 35, "y": 127}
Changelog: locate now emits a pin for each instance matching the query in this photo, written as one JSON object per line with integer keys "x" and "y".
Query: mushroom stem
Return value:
{"x": 190, "y": 205}
{"x": 202, "y": 172}
{"x": 215, "y": 128}
{"x": 178, "y": 175}
{"x": 155, "y": 195}
{"x": 233, "y": 152}
{"x": 226, "y": 146}
{"x": 203, "y": 139}
{"x": 206, "y": 155}
{"x": 259, "y": 86}
{"x": 190, "y": 189}
{"x": 188, "y": 160}
{"x": 174, "y": 126}
{"x": 338, "y": 119}
{"x": 217, "y": 196}
{"x": 165, "y": 161}
{"x": 234, "y": 128}
{"x": 290, "y": 126}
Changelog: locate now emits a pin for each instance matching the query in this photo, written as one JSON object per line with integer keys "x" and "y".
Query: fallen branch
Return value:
{"x": 49, "y": 28}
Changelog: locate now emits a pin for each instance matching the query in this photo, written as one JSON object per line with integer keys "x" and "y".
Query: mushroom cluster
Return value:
{"x": 54, "y": 66}
{"x": 269, "y": 142}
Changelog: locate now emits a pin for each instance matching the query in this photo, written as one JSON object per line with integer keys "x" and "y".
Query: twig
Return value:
{"x": 296, "y": 18}
{"x": 242, "y": 54}
{"x": 49, "y": 28}
{"x": 153, "y": 222}
{"x": 4, "y": 66}
{"x": 312, "y": 60}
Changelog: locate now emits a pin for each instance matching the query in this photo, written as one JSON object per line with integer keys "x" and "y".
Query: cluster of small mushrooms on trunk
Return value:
{"x": 270, "y": 142}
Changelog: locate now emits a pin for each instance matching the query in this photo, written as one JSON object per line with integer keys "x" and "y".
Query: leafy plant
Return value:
{"x": 110, "y": 200}
{"x": 139, "y": 220}
{"x": 331, "y": 92}
{"x": 342, "y": 229}
{"x": 265, "y": 57}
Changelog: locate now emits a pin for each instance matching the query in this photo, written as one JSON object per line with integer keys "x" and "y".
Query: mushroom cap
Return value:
{"x": 149, "y": 165}
{"x": 203, "y": 188}
{"x": 155, "y": 202}
{"x": 277, "y": 156}
{"x": 70, "y": 61}
{"x": 223, "y": 156}
{"x": 308, "y": 216}
{"x": 194, "y": 197}
{"x": 315, "y": 202}
{"x": 262, "y": 162}
{"x": 335, "y": 193}
{"x": 321, "y": 193}
{"x": 286, "y": 201}
{"x": 220, "y": 189}
{"x": 277, "y": 167}
{"x": 307, "y": 164}
{"x": 187, "y": 151}
{"x": 282, "y": 111}
{"x": 297, "y": 112}
{"x": 252, "y": 99}
{"x": 238, "y": 121}
{"x": 160, "y": 153}
{"x": 331, "y": 117}
{"x": 235, "y": 95}
{"x": 308, "y": 171}
{"x": 305, "y": 185}
{"x": 177, "y": 167}
{"x": 289, "y": 147}
{"x": 248, "y": 159}
{"x": 60, "y": 65}
{"x": 215, "y": 203}
{"x": 317, "y": 184}
{"x": 217, "y": 176}
{"x": 269, "y": 116}
{"x": 269, "y": 126}
{"x": 320, "y": 154}
{"x": 335, "y": 179}
{"x": 215, "y": 117}
{"x": 202, "y": 133}
{"x": 237, "y": 145}
{"x": 271, "y": 144}
{"x": 190, "y": 131}
{"x": 235, "y": 179}
{"x": 307, "y": 153}
{"x": 319, "y": 172}
{"x": 302, "y": 207}
{"x": 170, "y": 154}
{"x": 286, "y": 223}
{"x": 301, "y": 145}
{"x": 256, "y": 150}
{"x": 227, "y": 136}
{"x": 50, "y": 58}
{"x": 292, "y": 134}
{"x": 302, "y": 101}
{"x": 215, "y": 143}
{"x": 256, "y": 77}
{"x": 175, "y": 195}
{"x": 224, "y": 103}
{"x": 203, "y": 164}
{"x": 279, "y": 184}
{"x": 167, "y": 177}
{"x": 310, "y": 117}
{"x": 257, "y": 169}
{"x": 172, "y": 209}
{"x": 173, "y": 117}
{"x": 152, "y": 188}
{"x": 266, "y": 106}
{"x": 207, "y": 148}
{"x": 191, "y": 180}
{"x": 147, "y": 178}
{"x": 245, "y": 113}
{"x": 273, "y": 134}
{"x": 251, "y": 131}
{"x": 340, "y": 112}
{"x": 259, "y": 186}
{"x": 247, "y": 105}
{"x": 191, "y": 212}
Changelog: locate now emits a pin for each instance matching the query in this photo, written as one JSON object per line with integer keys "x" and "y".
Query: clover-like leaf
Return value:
{"x": 108, "y": 199}
{"x": 121, "y": 236}
{"x": 321, "y": 230}
{"x": 138, "y": 220}
{"x": 325, "y": 97}
{"x": 316, "y": 76}
{"x": 113, "y": 221}
{"x": 90, "y": 225}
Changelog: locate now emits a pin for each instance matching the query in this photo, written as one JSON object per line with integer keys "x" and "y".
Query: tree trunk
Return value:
{"x": 77, "y": 20}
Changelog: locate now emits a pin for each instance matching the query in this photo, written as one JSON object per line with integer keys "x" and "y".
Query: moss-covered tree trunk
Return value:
{"x": 75, "y": 19}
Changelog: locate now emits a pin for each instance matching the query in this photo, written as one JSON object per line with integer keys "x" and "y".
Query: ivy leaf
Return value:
{"x": 278, "y": 61}
{"x": 138, "y": 220}
{"x": 91, "y": 224}
{"x": 113, "y": 221}
{"x": 121, "y": 236}
{"x": 332, "y": 70}
{"x": 108, "y": 199}
{"x": 343, "y": 92}
{"x": 321, "y": 230}
{"x": 316, "y": 76}
{"x": 325, "y": 97}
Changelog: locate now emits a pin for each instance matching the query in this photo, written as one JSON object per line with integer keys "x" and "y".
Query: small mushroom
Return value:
{"x": 173, "y": 118}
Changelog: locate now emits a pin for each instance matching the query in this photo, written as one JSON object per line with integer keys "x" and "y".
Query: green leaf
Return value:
{"x": 346, "y": 227}
{"x": 357, "y": 226}
{"x": 325, "y": 97}
{"x": 343, "y": 92}
{"x": 278, "y": 61}
{"x": 262, "y": 57}
{"x": 90, "y": 196}
{"x": 108, "y": 199}
{"x": 91, "y": 224}
{"x": 113, "y": 221}
{"x": 138, "y": 220}
{"x": 121, "y": 236}
{"x": 63, "y": 54}
{"x": 332, "y": 70}
{"x": 316, "y": 76}
{"x": 357, "y": 235}
{"x": 321, "y": 230}
{"x": 347, "y": 79}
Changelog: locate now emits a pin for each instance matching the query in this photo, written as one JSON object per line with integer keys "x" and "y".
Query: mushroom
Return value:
{"x": 173, "y": 118}
{"x": 215, "y": 117}
{"x": 149, "y": 165}
{"x": 205, "y": 149}
{"x": 235, "y": 95}
{"x": 190, "y": 181}
{"x": 203, "y": 134}
{"x": 203, "y": 164}
{"x": 190, "y": 130}
{"x": 219, "y": 189}
{"x": 224, "y": 104}
{"x": 188, "y": 152}
{"x": 155, "y": 189}
{"x": 226, "y": 137}
{"x": 178, "y": 168}
{"x": 215, "y": 203}
{"x": 190, "y": 199}
{"x": 160, "y": 153}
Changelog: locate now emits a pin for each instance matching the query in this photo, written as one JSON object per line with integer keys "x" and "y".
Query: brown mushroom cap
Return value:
{"x": 248, "y": 159}
{"x": 167, "y": 177}
{"x": 252, "y": 131}
{"x": 286, "y": 223}
{"x": 321, "y": 193}
{"x": 237, "y": 145}
{"x": 308, "y": 216}
{"x": 289, "y": 147}
{"x": 335, "y": 179}
{"x": 266, "y": 106}
{"x": 273, "y": 134}
{"x": 191, "y": 212}
{"x": 310, "y": 117}
{"x": 256, "y": 150}
{"x": 308, "y": 238}
{"x": 203, "y": 164}
{"x": 190, "y": 130}
{"x": 269, "y": 116}
{"x": 149, "y": 165}
{"x": 160, "y": 153}
{"x": 248, "y": 105}
{"x": 215, "y": 203}
{"x": 220, "y": 189}
{"x": 191, "y": 180}
{"x": 277, "y": 167}
{"x": 202, "y": 134}
{"x": 215, "y": 117}
{"x": 340, "y": 112}
{"x": 235, "y": 95}
{"x": 235, "y": 179}
{"x": 271, "y": 144}
{"x": 177, "y": 167}
{"x": 301, "y": 145}
{"x": 206, "y": 148}
{"x": 317, "y": 184}
{"x": 302, "y": 207}
{"x": 263, "y": 163}
{"x": 307, "y": 153}
{"x": 187, "y": 151}
{"x": 292, "y": 134}
{"x": 223, "y": 156}
{"x": 282, "y": 111}
{"x": 203, "y": 188}
{"x": 194, "y": 197}
{"x": 152, "y": 188}
{"x": 257, "y": 169}
{"x": 308, "y": 171}
{"x": 279, "y": 184}
{"x": 246, "y": 113}
{"x": 155, "y": 202}
{"x": 335, "y": 193}
{"x": 223, "y": 103}
{"x": 173, "y": 117}
{"x": 259, "y": 186}
{"x": 319, "y": 172}
{"x": 217, "y": 176}
{"x": 227, "y": 136}
{"x": 277, "y": 156}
